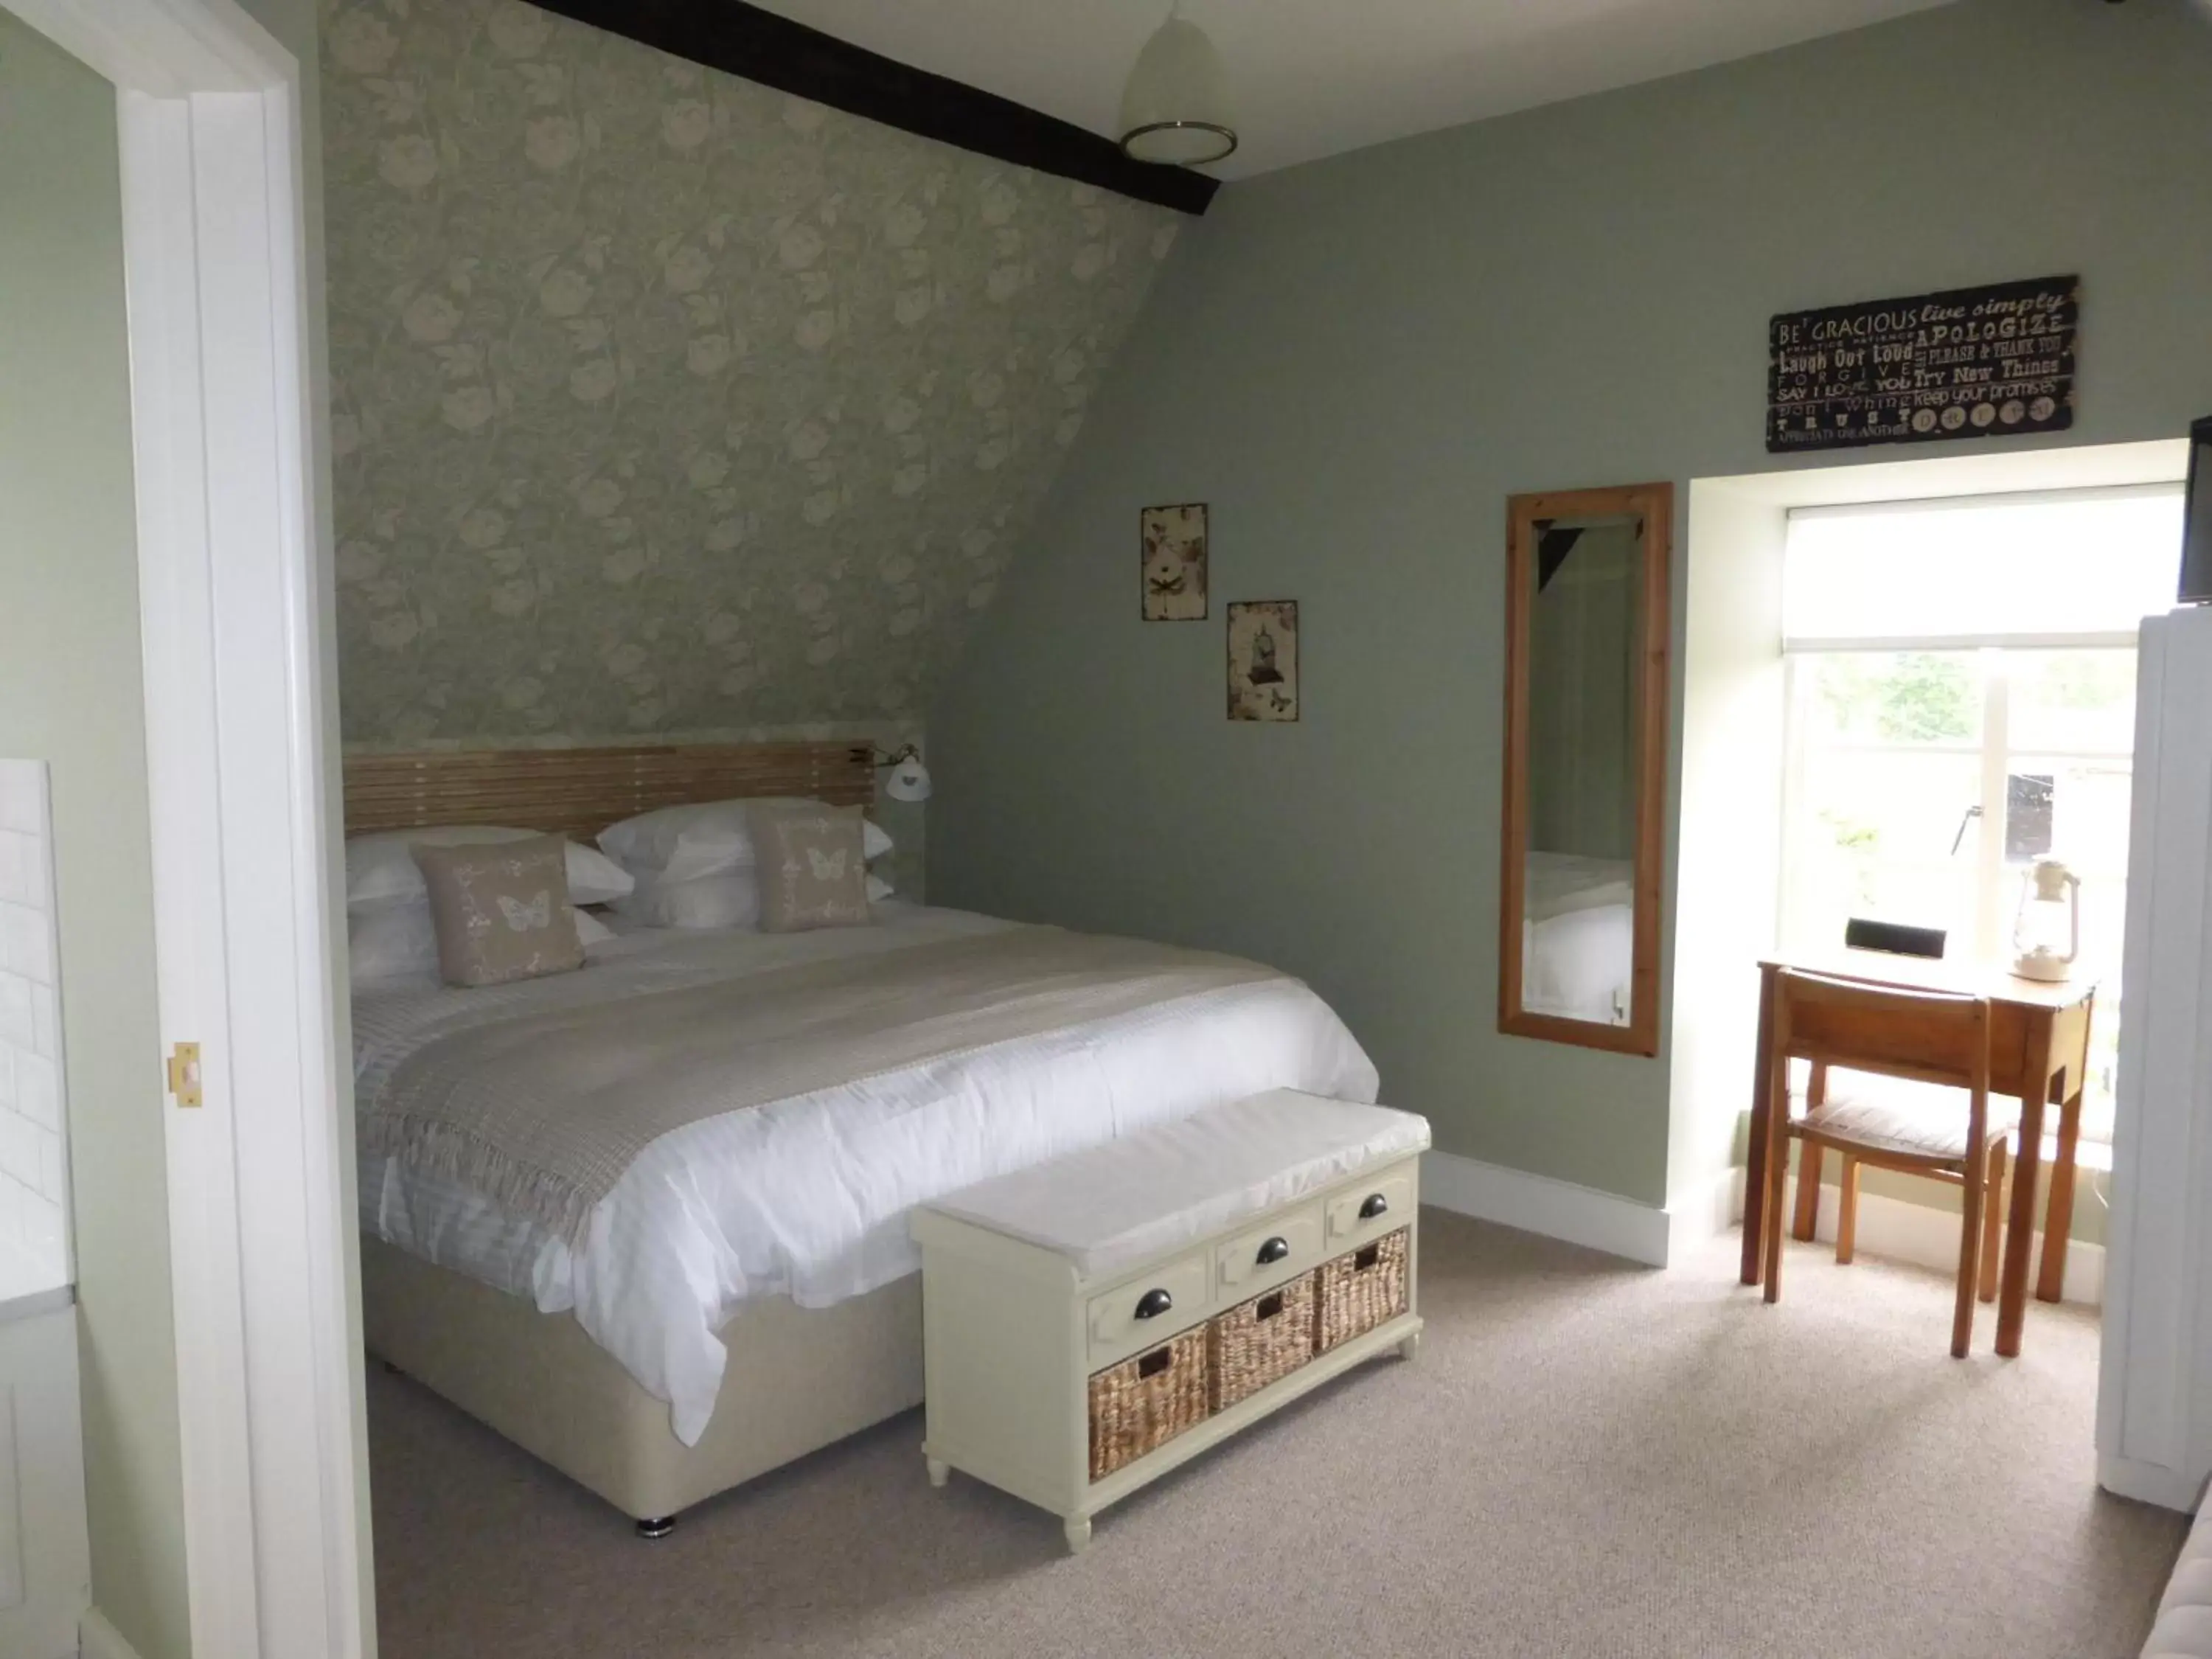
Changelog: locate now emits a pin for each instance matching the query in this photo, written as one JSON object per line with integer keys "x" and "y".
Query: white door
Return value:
{"x": 2154, "y": 1403}
{"x": 240, "y": 737}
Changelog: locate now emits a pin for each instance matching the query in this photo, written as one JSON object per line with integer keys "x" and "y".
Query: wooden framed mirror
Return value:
{"x": 1586, "y": 699}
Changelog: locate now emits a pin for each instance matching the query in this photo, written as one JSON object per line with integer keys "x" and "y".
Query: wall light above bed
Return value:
{"x": 909, "y": 780}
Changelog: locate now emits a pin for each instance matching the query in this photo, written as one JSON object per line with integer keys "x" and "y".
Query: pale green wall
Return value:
{"x": 69, "y": 694}
{"x": 1356, "y": 362}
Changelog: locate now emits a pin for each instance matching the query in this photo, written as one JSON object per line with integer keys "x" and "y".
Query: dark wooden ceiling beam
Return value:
{"x": 744, "y": 40}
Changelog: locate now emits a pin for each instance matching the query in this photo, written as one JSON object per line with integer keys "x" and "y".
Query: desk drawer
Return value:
{"x": 1282, "y": 1248}
{"x": 1146, "y": 1312}
{"x": 1372, "y": 1209}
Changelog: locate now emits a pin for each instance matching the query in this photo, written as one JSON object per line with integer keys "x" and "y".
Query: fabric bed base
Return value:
{"x": 798, "y": 1380}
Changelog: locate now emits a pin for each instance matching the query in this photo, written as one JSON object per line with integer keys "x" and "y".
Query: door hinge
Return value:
{"x": 185, "y": 1073}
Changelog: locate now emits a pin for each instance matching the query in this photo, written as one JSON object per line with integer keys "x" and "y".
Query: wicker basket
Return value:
{"x": 1256, "y": 1342}
{"x": 1146, "y": 1401}
{"x": 1361, "y": 1290}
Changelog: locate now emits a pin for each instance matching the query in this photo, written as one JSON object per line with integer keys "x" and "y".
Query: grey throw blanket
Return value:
{"x": 543, "y": 1113}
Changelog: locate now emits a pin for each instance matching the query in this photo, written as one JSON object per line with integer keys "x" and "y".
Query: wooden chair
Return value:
{"x": 1923, "y": 1036}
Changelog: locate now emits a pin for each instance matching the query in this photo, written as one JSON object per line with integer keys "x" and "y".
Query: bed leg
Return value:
{"x": 1079, "y": 1533}
{"x": 658, "y": 1527}
{"x": 939, "y": 1471}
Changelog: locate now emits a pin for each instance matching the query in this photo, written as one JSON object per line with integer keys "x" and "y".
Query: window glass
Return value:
{"x": 1874, "y": 835}
{"x": 2077, "y": 700}
{"x": 1912, "y": 697}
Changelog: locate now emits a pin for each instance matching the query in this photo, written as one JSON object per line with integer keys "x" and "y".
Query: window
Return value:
{"x": 1961, "y": 683}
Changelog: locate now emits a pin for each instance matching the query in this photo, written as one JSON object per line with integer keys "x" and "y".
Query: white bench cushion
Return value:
{"x": 2184, "y": 1630}
{"x": 1148, "y": 1193}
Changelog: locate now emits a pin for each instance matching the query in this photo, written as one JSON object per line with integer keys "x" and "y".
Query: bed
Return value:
{"x": 744, "y": 1292}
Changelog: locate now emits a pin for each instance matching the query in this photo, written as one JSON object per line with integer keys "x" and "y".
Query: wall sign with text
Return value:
{"x": 1975, "y": 362}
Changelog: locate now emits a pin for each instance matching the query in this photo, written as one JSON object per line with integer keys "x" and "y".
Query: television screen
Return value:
{"x": 2196, "y": 539}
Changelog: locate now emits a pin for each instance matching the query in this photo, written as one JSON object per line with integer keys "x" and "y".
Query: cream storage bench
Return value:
{"x": 1091, "y": 1323}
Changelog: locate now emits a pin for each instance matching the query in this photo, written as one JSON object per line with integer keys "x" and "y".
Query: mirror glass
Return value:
{"x": 1582, "y": 747}
{"x": 1576, "y": 882}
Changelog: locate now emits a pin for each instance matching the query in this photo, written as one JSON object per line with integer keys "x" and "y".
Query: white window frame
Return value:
{"x": 1991, "y": 912}
{"x": 235, "y": 617}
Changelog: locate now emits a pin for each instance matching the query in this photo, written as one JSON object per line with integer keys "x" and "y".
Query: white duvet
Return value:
{"x": 808, "y": 1197}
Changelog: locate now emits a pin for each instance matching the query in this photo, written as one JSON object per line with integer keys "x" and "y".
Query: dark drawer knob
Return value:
{"x": 1154, "y": 1303}
{"x": 1376, "y": 1205}
{"x": 1273, "y": 1251}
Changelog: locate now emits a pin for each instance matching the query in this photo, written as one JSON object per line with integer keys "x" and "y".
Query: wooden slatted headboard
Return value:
{"x": 580, "y": 791}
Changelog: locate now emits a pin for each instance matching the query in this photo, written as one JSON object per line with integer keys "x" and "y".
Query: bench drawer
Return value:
{"x": 1363, "y": 1288}
{"x": 1372, "y": 1209}
{"x": 1146, "y": 1312}
{"x": 1261, "y": 1341}
{"x": 1285, "y": 1247}
{"x": 1140, "y": 1405}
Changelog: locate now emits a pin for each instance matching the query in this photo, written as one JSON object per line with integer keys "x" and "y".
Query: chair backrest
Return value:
{"x": 1930, "y": 1037}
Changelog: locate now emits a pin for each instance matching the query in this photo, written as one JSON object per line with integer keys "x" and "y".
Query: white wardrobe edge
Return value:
{"x": 2149, "y": 1483}
{"x": 1928, "y": 1237}
{"x": 1537, "y": 1204}
{"x": 98, "y": 1639}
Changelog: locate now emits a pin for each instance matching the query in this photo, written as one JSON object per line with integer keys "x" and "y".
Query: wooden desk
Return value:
{"x": 2039, "y": 1051}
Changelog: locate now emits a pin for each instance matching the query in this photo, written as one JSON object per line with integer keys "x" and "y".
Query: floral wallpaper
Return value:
{"x": 664, "y": 402}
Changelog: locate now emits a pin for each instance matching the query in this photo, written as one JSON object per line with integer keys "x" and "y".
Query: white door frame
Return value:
{"x": 233, "y": 602}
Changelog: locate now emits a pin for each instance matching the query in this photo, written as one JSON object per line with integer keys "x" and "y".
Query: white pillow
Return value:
{"x": 706, "y": 902}
{"x": 380, "y": 867}
{"x": 683, "y": 843}
{"x": 387, "y": 938}
{"x": 731, "y": 899}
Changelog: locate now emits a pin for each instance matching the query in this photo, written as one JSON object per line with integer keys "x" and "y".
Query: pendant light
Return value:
{"x": 1175, "y": 109}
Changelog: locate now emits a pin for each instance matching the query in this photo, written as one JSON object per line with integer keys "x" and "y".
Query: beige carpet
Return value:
{"x": 1586, "y": 1459}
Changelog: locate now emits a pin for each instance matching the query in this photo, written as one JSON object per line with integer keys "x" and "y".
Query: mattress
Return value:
{"x": 1578, "y": 940}
{"x": 1562, "y": 884}
{"x": 808, "y": 1197}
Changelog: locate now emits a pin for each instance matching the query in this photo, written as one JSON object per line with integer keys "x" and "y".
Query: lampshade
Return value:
{"x": 910, "y": 780}
{"x": 1175, "y": 107}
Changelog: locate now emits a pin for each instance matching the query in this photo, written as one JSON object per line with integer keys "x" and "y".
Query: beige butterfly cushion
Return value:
{"x": 812, "y": 866}
{"x": 501, "y": 911}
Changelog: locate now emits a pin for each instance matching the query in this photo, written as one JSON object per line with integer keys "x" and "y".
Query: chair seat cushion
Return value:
{"x": 1920, "y": 1120}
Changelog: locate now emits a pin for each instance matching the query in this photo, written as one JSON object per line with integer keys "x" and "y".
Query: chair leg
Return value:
{"x": 1969, "y": 1252}
{"x": 1847, "y": 1213}
{"x": 1993, "y": 1219}
{"x": 1809, "y": 1157}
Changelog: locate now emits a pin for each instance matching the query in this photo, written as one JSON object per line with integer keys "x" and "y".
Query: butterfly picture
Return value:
{"x": 828, "y": 866}
{"x": 1171, "y": 548}
{"x": 527, "y": 918}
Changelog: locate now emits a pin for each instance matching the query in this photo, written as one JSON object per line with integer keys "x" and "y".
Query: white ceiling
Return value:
{"x": 1312, "y": 77}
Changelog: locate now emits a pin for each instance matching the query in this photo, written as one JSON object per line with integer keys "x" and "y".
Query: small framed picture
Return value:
{"x": 1263, "y": 661}
{"x": 1172, "y": 540}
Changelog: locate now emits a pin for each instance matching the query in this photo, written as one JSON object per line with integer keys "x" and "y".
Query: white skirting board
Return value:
{"x": 101, "y": 1640}
{"x": 1537, "y": 1204}
{"x": 1928, "y": 1238}
{"x": 1640, "y": 1233}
